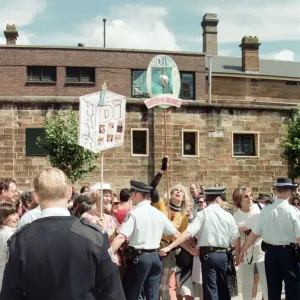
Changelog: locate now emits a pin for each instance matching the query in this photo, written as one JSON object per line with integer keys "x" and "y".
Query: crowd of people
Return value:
{"x": 181, "y": 245}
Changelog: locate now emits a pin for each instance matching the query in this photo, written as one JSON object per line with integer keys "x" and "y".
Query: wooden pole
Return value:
{"x": 166, "y": 153}
{"x": 101, "y": 202}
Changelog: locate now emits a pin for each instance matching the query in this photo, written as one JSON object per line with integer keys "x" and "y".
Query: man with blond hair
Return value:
{"x": 59, "y": 256}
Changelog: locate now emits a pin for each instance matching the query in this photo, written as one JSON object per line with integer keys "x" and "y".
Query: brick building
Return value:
{"x": 227, "y": 132}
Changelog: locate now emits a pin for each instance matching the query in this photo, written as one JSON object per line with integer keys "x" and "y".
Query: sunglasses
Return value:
{"x": 296, "y": 204}
{"x": 116, "y": 203}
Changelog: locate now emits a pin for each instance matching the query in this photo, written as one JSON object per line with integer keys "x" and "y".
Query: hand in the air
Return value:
{"x": 164, "y": 163}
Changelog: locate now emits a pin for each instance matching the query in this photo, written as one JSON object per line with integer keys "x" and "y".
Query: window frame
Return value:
{"x": 41, "y": 74}
{"x": 147, "y": 142}
{"x": 131, "y": 86}
{"x": 194, "y": 86}
{"x": 197, "y": 138}
{"x": 80, "y": 76}
{"x": 256, "y": 139}
{"x": 32, "y": 154}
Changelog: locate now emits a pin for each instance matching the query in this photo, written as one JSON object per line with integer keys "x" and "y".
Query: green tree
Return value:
{"x": 61, "y": 143}
{"x": 291, "y": 145}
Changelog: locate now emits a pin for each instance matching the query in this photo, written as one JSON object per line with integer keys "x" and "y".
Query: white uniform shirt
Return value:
{"x": 279, "y": 223}
{"x": 5, "y": 233}
{"x": 145, "y": 225}
{"x": 54, "y": 212}
{"x": 215, "y": 226}
{"x": 30, "y": 216}
{"x": 249, "y": 220}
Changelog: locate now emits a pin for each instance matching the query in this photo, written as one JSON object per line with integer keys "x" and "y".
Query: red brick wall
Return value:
{"x": 114, "y": 67}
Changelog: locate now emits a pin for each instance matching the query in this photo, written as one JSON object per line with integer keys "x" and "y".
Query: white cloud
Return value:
{"x": 287, "y": 55}
{"x": 270, "y": 21}
{"x": 127, "y": 26}
{"x": 20, "y": 13}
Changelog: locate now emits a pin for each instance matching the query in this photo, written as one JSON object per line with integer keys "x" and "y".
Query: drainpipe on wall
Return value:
{"x": 210, "y": 77}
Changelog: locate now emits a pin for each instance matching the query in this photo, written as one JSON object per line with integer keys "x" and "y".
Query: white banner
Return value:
{"x": 101, "y": 127}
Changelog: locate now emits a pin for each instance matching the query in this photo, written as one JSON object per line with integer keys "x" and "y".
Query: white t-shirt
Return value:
{"x": 249, "y": 220}
{"x": 5, "y": 233}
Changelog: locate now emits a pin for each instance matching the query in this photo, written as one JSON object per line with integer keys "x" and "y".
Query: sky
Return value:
{"x": 159, "y": 25}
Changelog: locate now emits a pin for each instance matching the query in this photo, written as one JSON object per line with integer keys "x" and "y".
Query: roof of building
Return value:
{"x": 273, "y": 68}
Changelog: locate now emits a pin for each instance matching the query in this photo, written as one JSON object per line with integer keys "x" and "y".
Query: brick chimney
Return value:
{"x": 210, "y": 34}
{"x": 11, "y": 34}
{"x": 250, "y": 53}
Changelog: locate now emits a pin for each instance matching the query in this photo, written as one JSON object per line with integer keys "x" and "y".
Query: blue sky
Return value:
{"x": 163, "y": 25}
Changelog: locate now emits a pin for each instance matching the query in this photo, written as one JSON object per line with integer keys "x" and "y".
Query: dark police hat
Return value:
{"x": 285, "y": 183}
{"x": 215, "y": 191}
{"x": 137, "y": 186}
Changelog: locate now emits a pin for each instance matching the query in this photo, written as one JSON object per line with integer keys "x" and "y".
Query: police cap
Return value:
{"x": 137, "y": 186}
{"x": 215, "y": 191}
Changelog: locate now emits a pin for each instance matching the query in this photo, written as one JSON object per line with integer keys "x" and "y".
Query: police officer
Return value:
{"x": 58, "y": 256}
{"x": 143, "y": 227}
{"x": 217, "y": 230}
{"x": 279, "y": 226}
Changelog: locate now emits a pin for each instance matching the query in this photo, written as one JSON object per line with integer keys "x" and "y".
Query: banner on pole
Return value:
{"x": 101, "y": 127}
{"x": 163, "y": 82}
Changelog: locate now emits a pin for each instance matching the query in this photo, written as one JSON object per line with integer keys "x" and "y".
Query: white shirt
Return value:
{"x": 279, "y": 223}
{"x": 5, "y": 233}
{"x": 249, "y": 220}
{"x": 216, "y": 227}
{"x": 30, "y": 216}
{"x": 145, "y": 225}
{"x": 54, "y": 212}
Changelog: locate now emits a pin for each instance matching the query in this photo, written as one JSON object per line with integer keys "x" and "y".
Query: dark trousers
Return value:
{"x": 214, "y": 276}
{"x": 145, "y": 275}
{"x": 280, "y": 266}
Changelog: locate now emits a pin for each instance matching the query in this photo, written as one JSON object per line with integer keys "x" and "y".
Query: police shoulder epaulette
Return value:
{"x": 92, "y": 225}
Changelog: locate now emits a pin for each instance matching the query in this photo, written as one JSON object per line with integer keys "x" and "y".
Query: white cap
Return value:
{"x": 98, "y": 186}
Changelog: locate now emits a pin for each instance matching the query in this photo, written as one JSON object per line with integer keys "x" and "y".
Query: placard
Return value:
{"x": 101, "y": 127}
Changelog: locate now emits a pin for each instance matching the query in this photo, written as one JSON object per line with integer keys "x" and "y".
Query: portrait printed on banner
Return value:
{"x": 101, "y": 140}
{"x": 102, "y": 129}
{"x": 111, "y": 128}
{"x": 120, "y": 126}
{"x": 118, "y": 137}
{"x": 110, "y": 138}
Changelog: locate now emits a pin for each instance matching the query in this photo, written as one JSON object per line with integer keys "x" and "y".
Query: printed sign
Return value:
{"x": 163, "y": 82}
{"x": 101, "y": 127}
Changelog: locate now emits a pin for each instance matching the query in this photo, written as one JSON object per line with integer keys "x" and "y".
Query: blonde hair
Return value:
{"x": 186, "y": 197}
{"x": 51, "y": 184}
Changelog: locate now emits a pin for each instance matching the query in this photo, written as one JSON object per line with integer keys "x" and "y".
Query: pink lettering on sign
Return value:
{"x": 163, "y": 101}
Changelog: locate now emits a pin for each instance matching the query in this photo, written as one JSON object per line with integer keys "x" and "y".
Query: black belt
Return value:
{"x": 208, "y": 249}
{"x": 142, "y": 251}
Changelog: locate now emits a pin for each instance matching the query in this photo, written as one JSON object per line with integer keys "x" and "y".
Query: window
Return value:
{"x": 187, "y": 85}
{"x": 245, "y": 144}
{"x": 41, "y": 74}
{"x": 190, "y": 143}
{"x": 80, "y": 75}
{"x": 32, "y": 149}
{"x": 138, "y": 84}
{"x": 139, "y": 142}
{"x": 292, "y": 83}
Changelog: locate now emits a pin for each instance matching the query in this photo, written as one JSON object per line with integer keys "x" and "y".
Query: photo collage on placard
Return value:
{"x": 110, "y": 132}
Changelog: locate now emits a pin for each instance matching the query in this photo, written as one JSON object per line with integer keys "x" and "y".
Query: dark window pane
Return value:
{"x": 187, "y": 85}
{"x": 32, "y": 149}
{"x": 244, "y": 144}
{"x": 138, "y": 84}
{"x": 189, "y": 143}
{"x": 73, "y": 74}
{"x": 33, "y": 73}
{"x": 139, "y": 142}
{"x": 49, "y": 74}
{"x": 87, "y": 75}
